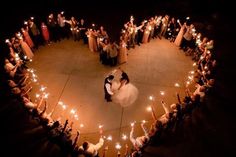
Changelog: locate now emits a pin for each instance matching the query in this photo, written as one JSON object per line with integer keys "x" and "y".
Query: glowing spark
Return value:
{"x": 118, "y": 146}
{"x": 42, "y": 88}
{"x": 132, "y": 124}
{"x": 149, "y": 108}
{"x": 76, "y": 117}
{"x": 177, "y": 85}
{"x": 109, "y": 138}
{"x": 60, "y": 103}
{"x": 124, "y": 137}
{"x": 151, "y": 98}
{"x": 64, "y": 107}
{"x": 37, "y": 95}
{"x": 72, "y": 111}
{"x": 46, "y": 95}
{"x": 190, "y": 77}
{"x": 162, "y": 93}
{"x": 7, "y": 41}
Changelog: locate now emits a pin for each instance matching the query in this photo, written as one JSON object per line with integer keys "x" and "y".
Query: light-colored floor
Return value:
{"x": 74, "y": 75}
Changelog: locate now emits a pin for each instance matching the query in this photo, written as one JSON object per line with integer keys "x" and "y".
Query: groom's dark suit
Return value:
{"x": 107, "y": 87}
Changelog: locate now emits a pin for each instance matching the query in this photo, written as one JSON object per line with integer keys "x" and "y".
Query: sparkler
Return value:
{"x": 124, "y": 137}
{"x": 7, "y": 41}
{"x": 45, "y": 95}
{"x": 162, "y": 93}
{"x": 42, "y": 89}
{"x": 187, "y": 83}
{"x": 109, "y": 138}
{"x": 72, "y": 111}
{"x": 118, "y": 146}
{"x": 151, "y": 98}
{"x": 76, "y": 117}
{"x": 132, "y": 124}
{"x": 149, "y": 108}
{"x": 37, "y": 95}
{"x": 64, "y": 107}
{"x": 191, "y": 72}
{"x": 177, "y": 85}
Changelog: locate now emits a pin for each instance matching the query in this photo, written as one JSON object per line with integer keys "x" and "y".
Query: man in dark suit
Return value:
{"x": 107, "y": 88}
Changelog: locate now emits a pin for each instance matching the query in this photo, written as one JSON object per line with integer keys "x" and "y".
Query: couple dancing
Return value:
{"x": 118, "y": 88}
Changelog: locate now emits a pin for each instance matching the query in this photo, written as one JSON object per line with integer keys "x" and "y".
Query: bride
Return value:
{"x": 125, "y": 93}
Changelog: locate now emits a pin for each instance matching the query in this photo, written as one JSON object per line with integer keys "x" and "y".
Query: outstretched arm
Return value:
{"x": 165, "y": 107}
{"x": 126, "y": 150}
{"x": 99, "y": 144}
{"x": 154, "y": 115}
{"x": 131, "y": 136}
{"x": 145, "y": 130}
{"x": 44, "y": 109}
{"x": 75, "y": 141}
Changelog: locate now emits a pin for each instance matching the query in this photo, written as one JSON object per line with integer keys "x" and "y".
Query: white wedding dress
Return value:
{"x": 126, "y": 95}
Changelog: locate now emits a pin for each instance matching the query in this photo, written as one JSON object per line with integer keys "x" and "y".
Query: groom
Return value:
{"x": 107, "y": 87}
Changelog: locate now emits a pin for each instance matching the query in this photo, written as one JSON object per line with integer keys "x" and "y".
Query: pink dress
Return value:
{"x": 27, "y": 38}
{"x": 45, "y": 32}
{"x": 26, "y": 49}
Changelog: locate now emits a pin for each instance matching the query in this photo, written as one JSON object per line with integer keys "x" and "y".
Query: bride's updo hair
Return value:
{"x": 124, "y": 76}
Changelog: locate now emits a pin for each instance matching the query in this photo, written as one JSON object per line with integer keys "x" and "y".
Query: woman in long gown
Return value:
{"x": 125, "y": 93}
{"x": 122, "y": 55}
{"x": 27, "y": 37}
{"x": 92, "y": 40}
{"x": 26, "y": 49}
{"x": 45, "y": 33}
{"x": 178, "y": 39}
{"x": 146, "y": 33}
